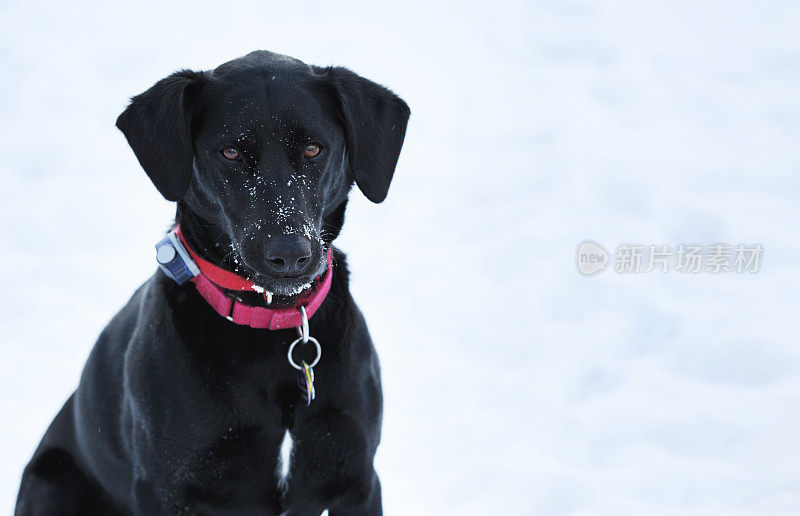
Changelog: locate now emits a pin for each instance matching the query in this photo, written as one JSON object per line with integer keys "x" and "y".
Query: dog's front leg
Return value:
{"x": 153, "y": 489}
{"x": 304, "y": 509}
{"x": 365, "y": 500}
{"x": 331, "y": 466}
{"x": 360, "y": 500}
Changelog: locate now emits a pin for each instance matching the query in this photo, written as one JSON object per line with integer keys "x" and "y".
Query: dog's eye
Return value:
{"x": 230, "y": 153}
{"x": 312, "y": 150}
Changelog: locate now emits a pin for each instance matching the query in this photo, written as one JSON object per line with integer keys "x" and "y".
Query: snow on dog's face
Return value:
{"x": 269, "y": 165}
{"x": 260, "y": 155}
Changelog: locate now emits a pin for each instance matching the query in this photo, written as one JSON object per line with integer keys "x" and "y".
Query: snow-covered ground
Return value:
{"x": 513, "y": 384}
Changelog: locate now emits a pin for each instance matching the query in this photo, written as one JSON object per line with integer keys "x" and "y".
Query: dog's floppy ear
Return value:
{"x": 375, "y": 122}
{"x": 157, "y": 125}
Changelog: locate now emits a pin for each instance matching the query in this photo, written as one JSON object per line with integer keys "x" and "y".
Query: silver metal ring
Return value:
{"x": 302, "y": 330}
{"x": 291, "y": 349}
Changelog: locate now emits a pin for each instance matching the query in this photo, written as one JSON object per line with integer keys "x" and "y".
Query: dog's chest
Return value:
{"x": 242, "y": 466}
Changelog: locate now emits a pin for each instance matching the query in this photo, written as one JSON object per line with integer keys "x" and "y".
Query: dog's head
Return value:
{"x": 261, "y": 153}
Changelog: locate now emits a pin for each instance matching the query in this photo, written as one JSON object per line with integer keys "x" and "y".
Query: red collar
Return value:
{"x": 212, "y": 282}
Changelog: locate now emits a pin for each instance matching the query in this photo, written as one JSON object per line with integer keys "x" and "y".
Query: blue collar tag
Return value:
{"x": 174, "y": 260}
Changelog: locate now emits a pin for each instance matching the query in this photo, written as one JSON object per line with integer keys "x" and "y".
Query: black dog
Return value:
{"x": 180, "y": 410}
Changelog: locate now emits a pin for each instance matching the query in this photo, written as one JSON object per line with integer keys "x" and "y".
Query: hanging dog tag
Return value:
{"x": 306, "y": 382}
{"x": 306, "y": 379}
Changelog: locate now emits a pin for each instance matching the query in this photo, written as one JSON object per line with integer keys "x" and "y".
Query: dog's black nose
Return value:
{"x": 288, "y": 254}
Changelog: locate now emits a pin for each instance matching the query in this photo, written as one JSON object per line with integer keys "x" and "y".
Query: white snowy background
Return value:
{"x": 513, "y": 385}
